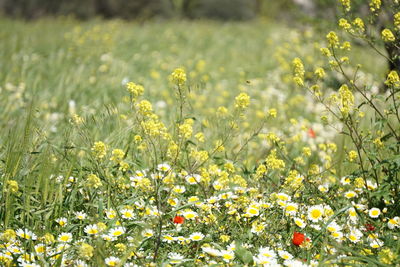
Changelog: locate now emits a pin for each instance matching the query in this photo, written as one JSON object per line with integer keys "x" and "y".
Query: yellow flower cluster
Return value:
{"x": 12, "y": 186}
{"x": 346, "y": 4}
{"x": 242, "y": 101}
{"x": 186, "y": 129}
{"x": 346, "y": 99}
{"x": 388, "y": 36}
{"x": 99, "y": 149}
{"x": 359, "y": 23}
{"x": 298, "y": 71}
{"x": 145, "y": 108}
{"x": 375, "y": 5}
{"x": 273, "y": 162}
{"x": 393, "y": 79}
{"x": 93, "y": 181}
{"x": 178, "y": 76}
{"x": 135, "y": 89}
{"x": 397, "y": 20}
{"x": 333, "y": 39}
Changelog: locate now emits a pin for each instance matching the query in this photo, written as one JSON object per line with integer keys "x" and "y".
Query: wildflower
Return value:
{"x": 26, "y": 234}
{"x": 179, "y": 219}
{"x": 211, "y": 251}
{"x": 12, "y": 186}
{"x": 242, "y": 101}
{"x": 117, "y": 155}
{"x": 227, "y": 255}
{"x": 62, "y": 221}
{"x": 117, "y": 231}
{"x": 112, "y": 261}
{"x": 359, "y": 23}
{"x": 190, "y": 215}
{"x": 394, "y": 222}
{"x": 286, "y": 255}
{"x": 354, "y": 235}
{"x": 333, "y": 39}
{"x": 178, "y": 76}
{"x": 376, "y": 243}
{"x": 291, "y": 208}
{"x": 65, "y": 237}
{"x": 127, "y": 214}
{"x": 175, "y": 258}
{"x": 94, "y": 181}
{"x": 99, "y": 149}
{"x": 397, "y": 20}
{"x": 145, "y": 108}
{"x": 375, "y": 5}
{"x": 85, "y": 251}
{"x": 197, "y": 236}
{"x": 315, "y": 213}
{"x": 386, "y": 256}
{"x": 346, "y": 4}
{"x": 298, "y": 239}
{"x": 91, "y": 229}
{"x": 388, "y": 36}
{"x": 163, "y": 167}
{"x": 374, "y": 212}
{"x": 346, "y": 98}
{"x": 148, "y": 233}
{"x": 135, "y": 89}
{"x": 299, "y": 222}
{"x": 252, "y": 211}
{"x": 350, "y": 194}
{"x": 393, "y": 79}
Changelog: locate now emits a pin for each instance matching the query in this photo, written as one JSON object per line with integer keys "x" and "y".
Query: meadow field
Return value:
{"x": 195, "y": 143}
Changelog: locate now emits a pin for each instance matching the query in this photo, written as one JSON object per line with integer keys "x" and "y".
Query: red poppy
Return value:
{"x": 369, "y": 227}
{"x": 179, "y": 219}
{"x": 299, "y": 238}
{"x": 311, "y": 133}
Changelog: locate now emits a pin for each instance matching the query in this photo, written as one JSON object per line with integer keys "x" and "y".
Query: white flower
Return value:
{"x": 299, "y": 222}
{"x": 80, "y": 215}
{"x": 227, "y": 255}
{"x": 285, "y": 255}
{"x": 163, "y": 167}
{"x": 350, "y": 194}
{"x": 354, "y": 235}
{"x": 92, "y": 229}
{"x": 65, "y": 237}
{"x": 117, "y": 231}
{"x": 127, "y": 214}
{"x": 179, "y": 189}
{"x": 148, "y": 233}
{"x": 291, "y": 208}
{"x": 193, "y": 179}
{"x": 26, "y": 234}
{"x": 376, "y": 243}
{"x": 197, "y": 236}
{"x": 394, "y": 222}
{"x": 190, "y": 215}
{"x": 333, "y": 227}
{"x": 175, "y": 258}
{"x": 266, "y": 252}
{"x": 374, "y": 212}
{"x": 211, "y": 251}
{"x": 315, "y": 213}
{"x": 112, "y": 261}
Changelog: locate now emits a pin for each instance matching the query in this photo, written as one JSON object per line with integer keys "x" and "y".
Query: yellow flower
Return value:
{"x": 12, "y": 186}
{"x": 135, "y": 89}
{"x": 346, "y": 4}
{"x": 375, "y": 5}
{"x": 93, "y": 181}
{"x": 145, "y": 108}
{"x": 352, "y": 155}
{"x": 178, "y": 76}
{"x": 388, "y": 36}
{"x": 99, "y": 149}
{"x": 242, "y": 101}
{"x": 393, "y": 79}
{"x": 333, "y": 39}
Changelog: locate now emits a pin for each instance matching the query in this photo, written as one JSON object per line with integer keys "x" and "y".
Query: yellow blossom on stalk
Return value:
{"x": 397, "y": 20}
{"x": 186, "y": 129}
{"x": 325, "y": 51}
{"x": 12, "y": 186}
{"x": 85, "y": 251}
{"x": 346, "y": 99}
{"x": 388, "y": 36}
{"x": 352, "y": 155}
{"x": 346, "y": 46}
{"x": 375, "y": 5}
{"x": 319, "y": 72}
{"x": 93, "y": 181}
{"x": 135, "y": 89}
{"x": 272, "y": 112}
{"x": 298, "y": 71}
{"x": 346, "y": 4}
{"x": 178, "y": 76}
{"x": 200, "y": 137}
{"x": 333, "y": 39}
{"x": 393, "y": 79}
{"x": 117, "y": 155}
{"x": 99, "y": 149}
{"x": 359, "y": 23}
{"x": 273, "y": 162}
{"x": 242, "y": 101}
{"x": 386, "y": 256}
{"x": 8, "y": 235}
{"x": 222, "y": 111}
{"x": 76, "y": 119}
{"x": 344, "y": 24}
{"x": 145, "y": 107}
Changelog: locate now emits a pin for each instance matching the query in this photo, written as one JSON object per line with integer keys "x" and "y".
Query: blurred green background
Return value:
{"x": 192, "y": 9}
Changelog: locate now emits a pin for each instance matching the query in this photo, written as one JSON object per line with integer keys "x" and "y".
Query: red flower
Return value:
{"x": 369, "y": 227}
{"x": 311, "y": 133}
{"x": 299, "y": 238}
{"x": 179, "y": 219}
